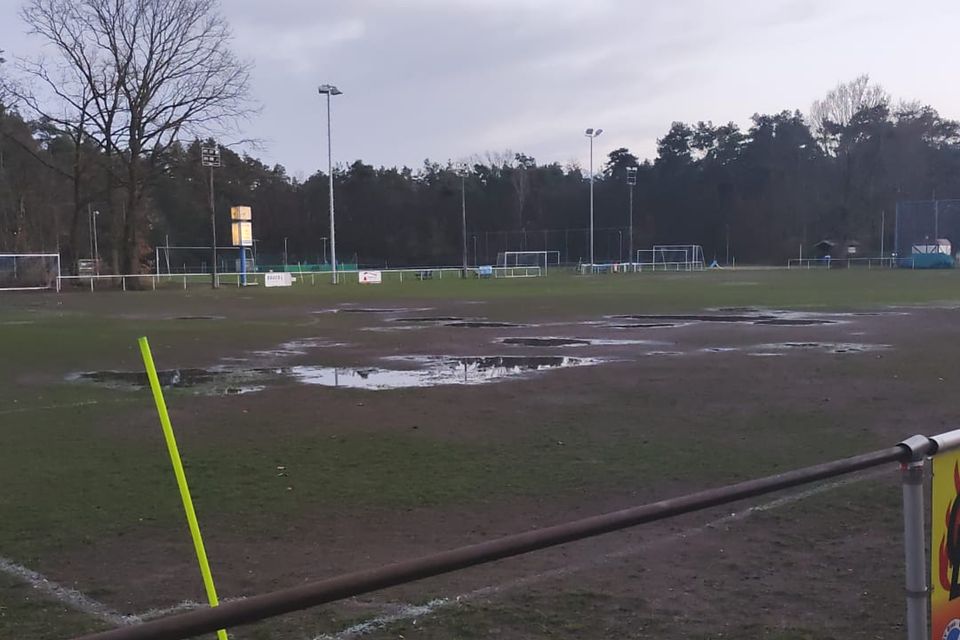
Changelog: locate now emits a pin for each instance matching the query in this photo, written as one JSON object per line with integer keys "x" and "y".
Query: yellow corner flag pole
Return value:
{"x": 181, "y": 477}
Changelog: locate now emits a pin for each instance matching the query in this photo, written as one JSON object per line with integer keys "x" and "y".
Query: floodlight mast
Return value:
{"x": 330, "y": 90}
{"x": 631, "y": 182}
{"x": 591, "y": 133}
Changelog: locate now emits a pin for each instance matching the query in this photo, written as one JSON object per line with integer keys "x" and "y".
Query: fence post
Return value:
{"x": 911, "y": 474}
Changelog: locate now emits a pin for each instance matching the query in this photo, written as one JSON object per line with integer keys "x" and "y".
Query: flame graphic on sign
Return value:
{"x": 948, "y": 549}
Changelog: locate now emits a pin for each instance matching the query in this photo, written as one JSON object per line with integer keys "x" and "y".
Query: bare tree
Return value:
{"x": 152, "y": 71}
{"x": 843, "y": 102}
{"x": 4, "y": 91}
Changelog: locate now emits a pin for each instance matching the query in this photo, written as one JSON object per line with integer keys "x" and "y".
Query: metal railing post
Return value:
{"x": 914, "y": 548}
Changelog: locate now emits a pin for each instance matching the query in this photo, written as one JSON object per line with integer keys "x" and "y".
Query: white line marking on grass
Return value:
{"x": 412, "y": 612}
{"x": 70, "y": 597}
{"x": 403, "y": 612}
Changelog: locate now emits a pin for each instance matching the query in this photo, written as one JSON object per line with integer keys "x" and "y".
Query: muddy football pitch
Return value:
{"x": 330, "y": 429}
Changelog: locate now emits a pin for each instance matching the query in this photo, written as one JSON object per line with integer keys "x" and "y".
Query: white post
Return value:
{"x": 914, "y": 549}
{"x": 333, "y": 225}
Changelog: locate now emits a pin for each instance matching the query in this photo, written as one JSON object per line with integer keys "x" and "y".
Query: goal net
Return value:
{"x": 176, "y": 260}
{"x": 29, "y": 271}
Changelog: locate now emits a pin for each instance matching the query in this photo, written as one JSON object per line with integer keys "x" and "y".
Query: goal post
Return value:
{"x": 29, "y": 271}
{"x": 679, "y": 257}
{"x": 542, "y": 259}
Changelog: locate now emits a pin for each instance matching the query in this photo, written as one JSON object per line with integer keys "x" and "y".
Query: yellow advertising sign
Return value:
{"x": 945, "y": 548}
{"x": 242, "y": 234}
{"x": 241, "y": 213}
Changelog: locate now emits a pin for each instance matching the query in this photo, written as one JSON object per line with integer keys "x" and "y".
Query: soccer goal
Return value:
{"x": 515, "y": 259}
{"x": 671, "y": 257}
{"x": 29, "y": 271}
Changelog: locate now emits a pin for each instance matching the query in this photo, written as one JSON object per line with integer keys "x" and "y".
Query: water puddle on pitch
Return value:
{"x": 436, "y": 371}
{"x": 424, "y": 371}
{"x": 825, "y": 347}
{"x": 482, "y": 324}
{"x": 428, "y": 319}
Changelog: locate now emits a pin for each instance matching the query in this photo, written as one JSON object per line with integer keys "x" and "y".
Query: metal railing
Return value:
{"x": 911, "y": 453}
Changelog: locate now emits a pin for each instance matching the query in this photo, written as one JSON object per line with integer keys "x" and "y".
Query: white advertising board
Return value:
{"x": 282, "y": 279}
{"x": 371, "y": 277}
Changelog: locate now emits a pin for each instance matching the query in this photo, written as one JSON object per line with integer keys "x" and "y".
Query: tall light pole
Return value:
{"x": 210, "y": 157}
{"x": 631, "y": 182}
{"x": 463, "y": 214}
{"x": 591, "y": 133}
{"x": 330, "y": 90}
{"x": 96, "y": 247}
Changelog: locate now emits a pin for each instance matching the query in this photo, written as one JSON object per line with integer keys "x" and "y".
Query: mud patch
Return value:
{"x": 546, "y": 342}
{"x": 213, "y": 381}
{"x": 717, "y": 317}
{"x": 298, "y": 347}
{"x": 649, "y": 325}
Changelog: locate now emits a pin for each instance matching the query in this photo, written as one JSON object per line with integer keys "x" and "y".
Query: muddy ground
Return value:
{"x": 298, "y": 480}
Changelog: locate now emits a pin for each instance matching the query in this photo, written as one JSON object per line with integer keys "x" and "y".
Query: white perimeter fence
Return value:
{"x": 185, "y": 280}
{"x": 850, "y": 263}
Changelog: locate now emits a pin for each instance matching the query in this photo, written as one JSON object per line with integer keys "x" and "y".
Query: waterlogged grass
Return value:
{"x": 80, "y": 463}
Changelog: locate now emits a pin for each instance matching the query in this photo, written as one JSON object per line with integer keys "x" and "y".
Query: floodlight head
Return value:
{"x": 588, "y": 132}
{"x": 329, "y": 89}
{"x": 599, "y": 131}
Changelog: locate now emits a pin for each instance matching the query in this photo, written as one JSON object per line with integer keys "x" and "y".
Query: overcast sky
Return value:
{"x": 447, "y": 79}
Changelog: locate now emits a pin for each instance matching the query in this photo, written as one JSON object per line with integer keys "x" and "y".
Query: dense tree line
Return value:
{"x": 757, "y": 194}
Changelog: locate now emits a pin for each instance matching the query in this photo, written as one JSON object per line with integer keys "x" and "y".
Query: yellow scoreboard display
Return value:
{"x": 242, "y": 226}
{"x": 945, "y": 548}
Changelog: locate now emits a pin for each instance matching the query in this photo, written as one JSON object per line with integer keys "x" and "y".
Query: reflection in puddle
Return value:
{"x": 431, "y": 371}
{"x": 571, "y": 342}
{"x": 436, "y": 371}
